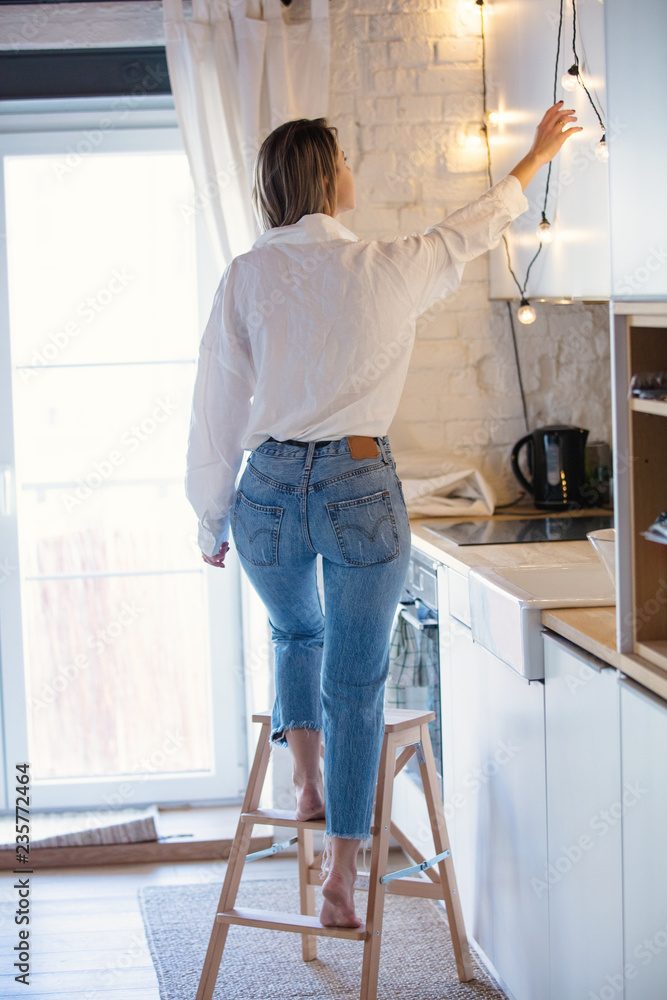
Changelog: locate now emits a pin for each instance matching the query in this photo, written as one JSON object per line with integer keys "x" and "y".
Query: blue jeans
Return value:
{"x": 292, "y": 503}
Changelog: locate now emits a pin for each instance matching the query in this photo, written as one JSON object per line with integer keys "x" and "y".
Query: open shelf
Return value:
{"x": 656, "y": 652}
{"x": 645, "y": 607}
{"x": 658, "y": 407}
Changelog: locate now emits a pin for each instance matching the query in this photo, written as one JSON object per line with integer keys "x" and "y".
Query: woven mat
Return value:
{"x": 416, "y": 962}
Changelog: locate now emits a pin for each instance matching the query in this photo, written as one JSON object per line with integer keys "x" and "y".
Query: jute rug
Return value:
{"x": 416, "y": 963}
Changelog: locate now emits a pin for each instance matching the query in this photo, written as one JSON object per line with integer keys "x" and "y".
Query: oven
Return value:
{"x": 414, "y": 670}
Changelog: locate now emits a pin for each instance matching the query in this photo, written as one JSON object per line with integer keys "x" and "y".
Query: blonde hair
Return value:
{"x": 289, "y": 172}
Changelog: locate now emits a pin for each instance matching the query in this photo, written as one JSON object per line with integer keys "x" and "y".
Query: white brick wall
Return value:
{"x": 405, "y": 76}
{"x": 413, "y": 71}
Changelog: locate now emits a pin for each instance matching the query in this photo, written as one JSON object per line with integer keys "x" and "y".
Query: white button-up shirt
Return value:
{"x": 310, "y": 337}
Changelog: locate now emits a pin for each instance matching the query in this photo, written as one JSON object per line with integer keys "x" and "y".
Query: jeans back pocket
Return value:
{"x": 365, "y": 529}
{"x": 256, "y": 528}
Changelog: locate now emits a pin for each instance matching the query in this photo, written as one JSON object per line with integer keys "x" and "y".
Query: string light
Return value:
{"x": 526, "y": 314}
{"x": 544, "y": 232}
{"x": 601, "y": 150}
{"x": 492, "y": 119}
{"x": 472, "y": 137}
{"x": 570, "y": 80}
{"x": 603, "y": 154}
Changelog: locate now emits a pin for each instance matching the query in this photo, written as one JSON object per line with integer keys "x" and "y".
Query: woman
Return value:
{"x": 302, "y": 362}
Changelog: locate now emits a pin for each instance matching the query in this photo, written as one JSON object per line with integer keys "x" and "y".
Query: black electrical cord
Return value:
{"x": 518, "y": 366}
{"x": 576, "y": 60}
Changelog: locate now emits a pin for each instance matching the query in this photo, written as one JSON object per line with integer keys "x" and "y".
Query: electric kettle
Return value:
{"x": 556, "y": 463}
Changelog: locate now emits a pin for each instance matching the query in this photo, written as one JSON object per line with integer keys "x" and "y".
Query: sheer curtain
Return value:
{"x": 239, "y": 69}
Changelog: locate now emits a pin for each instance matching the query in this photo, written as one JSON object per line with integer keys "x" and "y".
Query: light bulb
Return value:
{"x": 526, "y": 313}
{"x": 492, "y": 118}
{"x": 544, "y": 232}
{"x": 570, "y": 80}
{"x": 472, "y": 137}
{"x": 601, "y": 150}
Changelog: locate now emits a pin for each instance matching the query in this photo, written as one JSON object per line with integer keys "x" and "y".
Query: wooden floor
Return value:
{"x": 86, "y": 933}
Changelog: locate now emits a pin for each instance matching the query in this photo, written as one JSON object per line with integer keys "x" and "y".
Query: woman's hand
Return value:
{"x": 218, "y": 558}
{"x": 550, "y": 136}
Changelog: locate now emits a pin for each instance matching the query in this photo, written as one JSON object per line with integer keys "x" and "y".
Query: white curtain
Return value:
{"x": 238, "y": 69}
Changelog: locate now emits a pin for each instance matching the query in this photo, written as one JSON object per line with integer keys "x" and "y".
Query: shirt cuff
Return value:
{"x": 512, "y": 196}
{"x": 210, "y": 543}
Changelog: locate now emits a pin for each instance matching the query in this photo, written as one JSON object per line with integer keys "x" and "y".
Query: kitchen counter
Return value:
{"x": 592, "y": 629}
{"x": 463, "y": 558}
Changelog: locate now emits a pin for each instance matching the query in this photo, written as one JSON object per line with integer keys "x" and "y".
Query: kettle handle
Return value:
{"x": 514, "y": 459}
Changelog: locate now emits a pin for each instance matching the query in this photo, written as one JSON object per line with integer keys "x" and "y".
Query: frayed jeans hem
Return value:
{"x": 278, "y": 738}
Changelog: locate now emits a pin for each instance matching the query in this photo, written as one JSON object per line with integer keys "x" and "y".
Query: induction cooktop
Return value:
{"x": 488, "y": 531}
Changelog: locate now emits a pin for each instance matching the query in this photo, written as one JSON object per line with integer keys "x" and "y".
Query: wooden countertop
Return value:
{"x": 592, "y": 629}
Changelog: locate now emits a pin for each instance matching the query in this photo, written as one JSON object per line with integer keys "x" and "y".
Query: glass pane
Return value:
{"x": 118, "y": 675}
{"x": 102, "y": 265}
{"x": 104, "y": 333}
{"x": 101, "y": 466}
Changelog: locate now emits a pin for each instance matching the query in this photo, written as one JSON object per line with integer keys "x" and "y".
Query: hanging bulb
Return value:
{"x": 601, "y": 150}
{"x": 526, "y": 313}
{"x": 472, "y": 137}
{"x": 570, "y": 80}
{"x": 492, "y": 118}
{"x": 544, "y": 232}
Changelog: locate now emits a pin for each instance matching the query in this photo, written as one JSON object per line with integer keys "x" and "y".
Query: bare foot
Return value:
{"x": 338, "y": 906}
{"x": 309, "y": 800}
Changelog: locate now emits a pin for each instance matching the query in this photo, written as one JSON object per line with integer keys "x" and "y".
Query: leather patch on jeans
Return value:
{"x": 362, "y": 447}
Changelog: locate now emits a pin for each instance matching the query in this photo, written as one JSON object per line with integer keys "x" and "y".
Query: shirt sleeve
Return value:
{"x": 223, "y": 389}
{"x": 432, "y": 263}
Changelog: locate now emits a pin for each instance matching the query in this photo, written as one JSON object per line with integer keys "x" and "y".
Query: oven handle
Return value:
{"x": 417, "y": 622}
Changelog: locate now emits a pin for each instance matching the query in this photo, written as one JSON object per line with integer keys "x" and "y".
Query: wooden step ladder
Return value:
{"x": 405, "y": 730}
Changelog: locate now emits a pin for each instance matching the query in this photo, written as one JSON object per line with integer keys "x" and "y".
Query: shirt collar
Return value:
{"x": 314, "y": 228}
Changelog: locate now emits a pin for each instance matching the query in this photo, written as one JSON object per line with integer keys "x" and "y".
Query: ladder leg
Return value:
{"x": 235, "y": 865}
{"x": 306, "y": 855}
{"x": 436, "y": 814}
{"x": 379, "y": 856}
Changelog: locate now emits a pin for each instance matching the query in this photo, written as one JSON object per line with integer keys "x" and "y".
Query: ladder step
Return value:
{"x": 399, "y": 887}
{"x": 282, "y": 817}
{"x": 296, "y": 922}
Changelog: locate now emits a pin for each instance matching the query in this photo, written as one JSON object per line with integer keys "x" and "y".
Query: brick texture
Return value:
{"x": 416, "y": 85}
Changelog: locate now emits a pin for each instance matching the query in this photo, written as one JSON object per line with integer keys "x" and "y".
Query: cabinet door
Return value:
{"x": 644, "y": 804}
{"x": 583, "y": 879}
{"x": 516, "y": 828}
{"x": 468, "y": 806}
{"x": 499, "y": 804}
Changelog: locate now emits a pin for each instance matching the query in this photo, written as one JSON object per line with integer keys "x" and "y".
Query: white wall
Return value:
{"x": 406, "y": 77}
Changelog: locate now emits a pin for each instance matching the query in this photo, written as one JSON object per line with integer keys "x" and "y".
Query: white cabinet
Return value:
{"x": 643, "y": 762}
{"x": 513, "y": 774}
{"x": 495, "y": 801}
{"x": 584, "y": 806}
